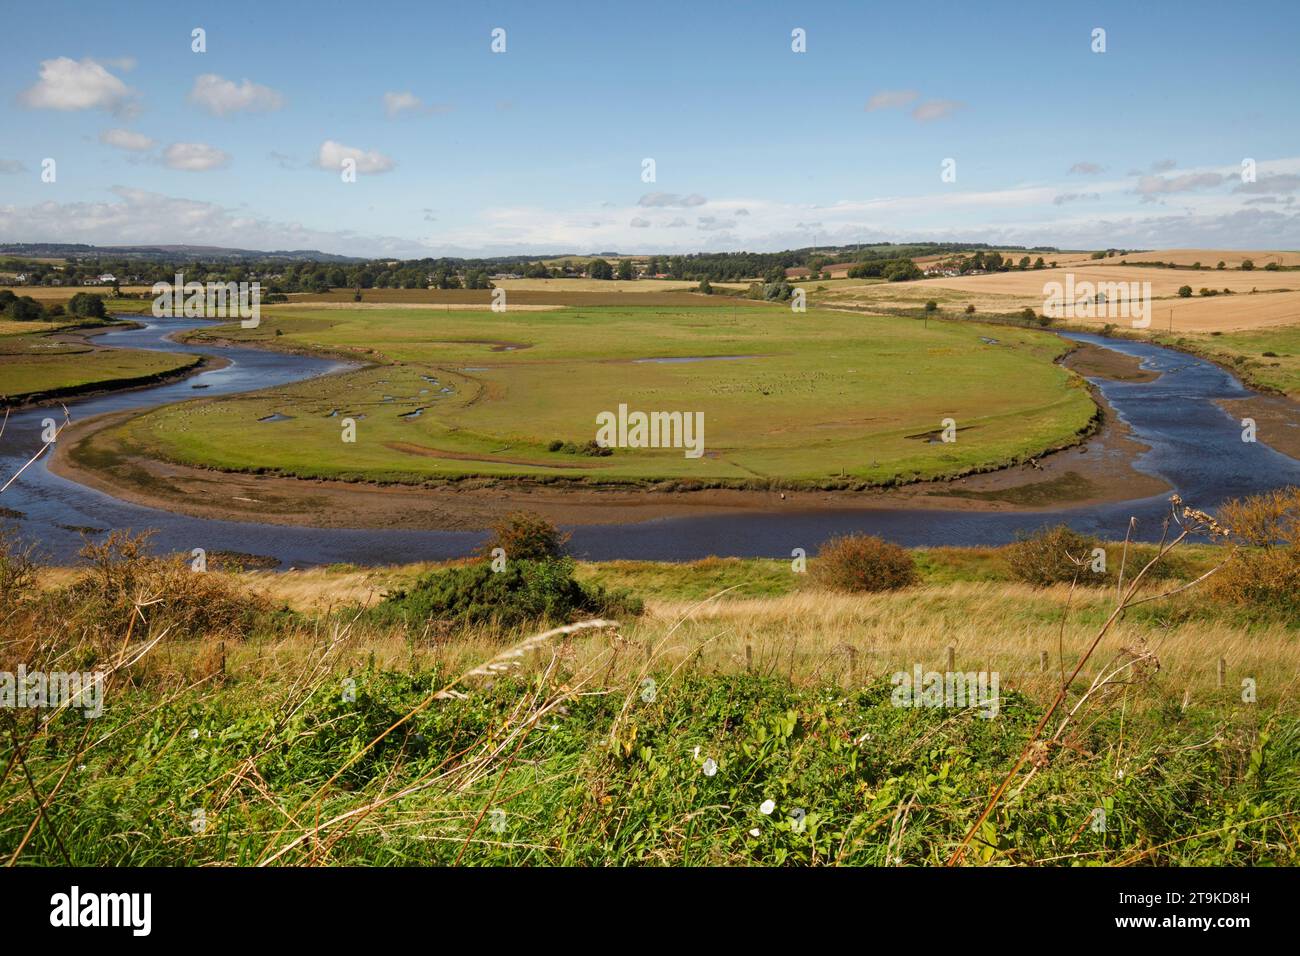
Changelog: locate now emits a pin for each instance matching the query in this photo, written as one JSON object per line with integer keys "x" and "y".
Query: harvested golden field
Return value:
{"x": 1011, "y": 291}
{"x": 1211, "y": 257}
{"x": 1164, "y": 282}
{"x": 1229, "y": 313}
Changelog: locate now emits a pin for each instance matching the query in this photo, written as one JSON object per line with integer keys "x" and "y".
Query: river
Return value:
{"x": 1194, "y": 445}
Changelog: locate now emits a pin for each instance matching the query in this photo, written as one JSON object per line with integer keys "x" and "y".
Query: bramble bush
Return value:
{"x": 525, "y": 536}
{"x": 863, "y": 563}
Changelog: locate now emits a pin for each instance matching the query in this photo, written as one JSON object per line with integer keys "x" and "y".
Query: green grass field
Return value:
{"x": 1248, "y": 353}
{"x": 33, "y": 365}
{"x": 820, "y": 397}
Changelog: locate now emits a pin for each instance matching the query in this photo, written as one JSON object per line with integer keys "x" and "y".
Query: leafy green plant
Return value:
{"x": 524, "y": 591}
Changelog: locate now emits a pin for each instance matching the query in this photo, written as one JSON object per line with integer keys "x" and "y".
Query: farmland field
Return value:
{"x": 816, "y": 397}
{"x": 1258, "y": 299}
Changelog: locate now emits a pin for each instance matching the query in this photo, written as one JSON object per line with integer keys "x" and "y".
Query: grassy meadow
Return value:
{"x": 34, "y": 365}
{"x": 1267, "y": 358}
{"x": 816, "y": 397}
{"x": 745, "y": 717}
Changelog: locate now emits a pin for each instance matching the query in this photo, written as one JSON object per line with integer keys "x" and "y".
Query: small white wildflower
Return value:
{"x": 766, "y": 807}
{"x": 754, "y": 832}
{"x": 710, "y": 767}
{"x": 194, "y": 734}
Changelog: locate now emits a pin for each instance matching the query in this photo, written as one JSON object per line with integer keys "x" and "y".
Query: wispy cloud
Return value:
{"x": 932, "y": 110}
{"x": 1062, "y": 198}
{"x": 1148, "y": 187}
{"x": 1271, "y": 183}
{"x": 891, "y": 100}
{"x": 126, "y": 139}
{"x": 395, "y": 104}
{"x": 194, "y": 157}
{"x": 714, "y": 223}
{"x": 333, "y": 153}
{"x": 671, "y": 199}
{"x": 221, "y": 97}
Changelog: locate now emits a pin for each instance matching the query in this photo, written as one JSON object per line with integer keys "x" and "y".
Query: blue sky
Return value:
{"x": 540, "y": 148}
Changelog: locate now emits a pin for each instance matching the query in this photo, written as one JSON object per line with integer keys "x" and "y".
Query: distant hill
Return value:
{"x": 77, "y": 250}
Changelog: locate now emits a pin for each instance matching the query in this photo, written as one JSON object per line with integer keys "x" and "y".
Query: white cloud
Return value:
{"x": 11, "y": 166}
{"x": 671, "y": 199}
{"x": 714, "y": 223}
{"x": 126, "y": 139}
{"x": 639, "y": 223}
{"x": 395, "y": 103}
{"x": 1063, "y": 198}
{"x": 140, "y": 217}
{"x": 332, "y": 154}
{"x": 194, "y": 157}
{"x": 1150, "y": 186}
{"x": 1085, "y": 169}
{"x": 221, "y": 96}
{"x": 932, "y": 110}
{"x": 67, "y": 84}
{"x": 1276, "y": 183}
{"x": 891, "y": 99}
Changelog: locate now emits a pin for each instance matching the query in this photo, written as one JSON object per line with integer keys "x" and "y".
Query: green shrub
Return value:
{"x": 1053, "y": 556}
{"x": 863, "y": 563}
{"x": 524, "y": 592}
